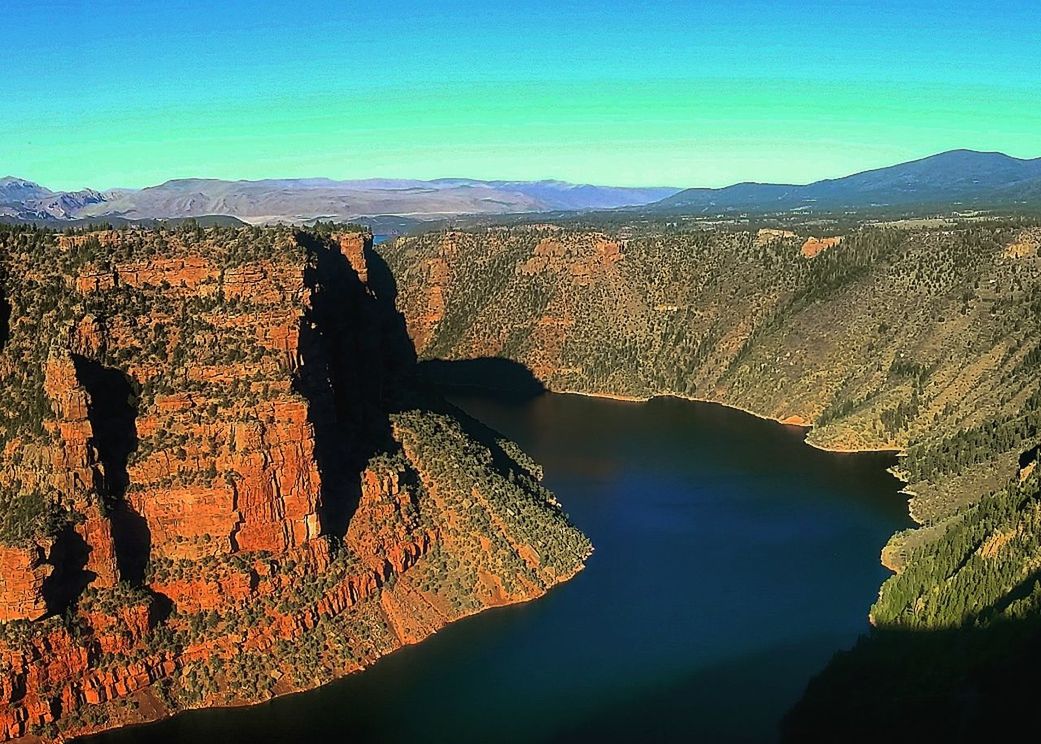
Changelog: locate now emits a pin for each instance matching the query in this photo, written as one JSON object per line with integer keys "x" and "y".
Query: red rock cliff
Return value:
{"x": 219, "y": 506}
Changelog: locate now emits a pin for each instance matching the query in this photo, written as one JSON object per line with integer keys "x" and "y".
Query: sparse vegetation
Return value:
{"x": 142, "y": 365}
{"x": 922, "y": 339}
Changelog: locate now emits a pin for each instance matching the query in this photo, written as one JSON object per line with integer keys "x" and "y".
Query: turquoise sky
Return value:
{"x": 707, "y": 93}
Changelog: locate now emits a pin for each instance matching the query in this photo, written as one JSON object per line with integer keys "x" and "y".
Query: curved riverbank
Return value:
{"x": 791, "y": 420}
{"x": 890, "y": 555}
{"x": 722, "y": 582}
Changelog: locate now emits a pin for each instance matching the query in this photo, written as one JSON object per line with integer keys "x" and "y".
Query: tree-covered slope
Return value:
{"x": 958, "y": 177}
{"x": 919, "y": 340}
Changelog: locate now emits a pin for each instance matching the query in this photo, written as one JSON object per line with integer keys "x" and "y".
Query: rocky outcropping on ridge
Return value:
{"x": 219, "y": 483}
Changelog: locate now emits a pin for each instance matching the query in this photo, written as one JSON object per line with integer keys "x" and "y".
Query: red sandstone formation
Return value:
{"x": 815, "y": 246}
{"x": 266, "y": 495}
{"x": 205, "y": 473}
{"x": 352, "y": 247}
{"x": 77, "y": 470}
{"x": 22, "y": 572}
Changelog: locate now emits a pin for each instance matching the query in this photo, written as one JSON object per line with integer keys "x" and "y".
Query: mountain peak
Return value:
{"x": 952, "y": 178}
{"x": 14, "y": 189}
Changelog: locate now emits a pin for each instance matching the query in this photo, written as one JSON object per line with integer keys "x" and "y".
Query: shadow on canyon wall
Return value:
{"x": 971, "y": 683}
{"x": 112, "y": 412}
{"x": 356, "y": 359}
{"x": 70, "y": 576}
{"x": 357, "y": 367}
{"x": 358, "y": 335}
{"x": 488, "y": 373}
{"x": 113, "y": 418}
{"x": 380, "y": 366}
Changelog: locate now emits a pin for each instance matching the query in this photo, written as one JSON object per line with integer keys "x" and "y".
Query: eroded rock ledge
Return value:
{"x": 220, "y": 485}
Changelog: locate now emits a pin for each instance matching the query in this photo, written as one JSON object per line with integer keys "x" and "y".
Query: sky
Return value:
{"x": 110, "y": 94}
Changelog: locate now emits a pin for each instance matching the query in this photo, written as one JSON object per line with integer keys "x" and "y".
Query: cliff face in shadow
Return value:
{"x": 962, "y": 685}
{"x": 112, "y": 413}
{"x": 487, "y": 373}
{"x": 917, "y": 340}
{"x": 219, "y": 481}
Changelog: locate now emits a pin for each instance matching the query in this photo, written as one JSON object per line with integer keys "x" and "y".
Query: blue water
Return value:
{"x": 731, "y": 562}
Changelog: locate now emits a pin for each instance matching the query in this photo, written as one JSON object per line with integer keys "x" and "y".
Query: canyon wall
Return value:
{"x": 918, "y": 340}
{"x": 882, "y": 339}
{"x": 218, "y": 483}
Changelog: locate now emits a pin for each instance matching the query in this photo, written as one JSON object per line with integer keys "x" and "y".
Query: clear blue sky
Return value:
{"x": 109, "y": 94}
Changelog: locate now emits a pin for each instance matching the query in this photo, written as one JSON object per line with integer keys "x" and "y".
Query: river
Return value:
{"x": 732, "y": 561}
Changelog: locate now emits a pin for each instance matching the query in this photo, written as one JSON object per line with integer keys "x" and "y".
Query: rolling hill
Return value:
{"x": 956, "y": 178}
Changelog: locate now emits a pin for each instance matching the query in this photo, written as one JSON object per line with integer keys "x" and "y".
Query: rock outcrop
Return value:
{"x": 813, "y": 247}
{"x": 220, "y": 485}
{"x": 21, "y": 581}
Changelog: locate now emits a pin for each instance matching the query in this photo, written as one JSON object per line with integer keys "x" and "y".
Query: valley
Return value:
{"x": 228, "y": 476}
{"x": 731, "y": 562}
{"x": 919, "y": 340}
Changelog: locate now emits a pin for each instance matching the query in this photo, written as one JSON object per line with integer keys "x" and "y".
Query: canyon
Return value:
{"x": 219, "y": 481}
{"x": 918, "y": 340}
{"x": 702, "y": 615}
{"x": 225, "y": 475}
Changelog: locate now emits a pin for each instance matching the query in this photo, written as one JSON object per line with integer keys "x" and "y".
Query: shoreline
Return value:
{"x": 793, "y": 421}
{"x": 807, "y": 428}
{"x": 144, "y": 723}
{"x": 892, "y": 469}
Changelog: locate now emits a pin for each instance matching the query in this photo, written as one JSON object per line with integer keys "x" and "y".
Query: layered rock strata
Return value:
{"x": 219, "y": 484}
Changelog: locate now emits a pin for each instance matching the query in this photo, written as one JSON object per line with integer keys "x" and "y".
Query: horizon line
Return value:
{"x": 517, "y": 180}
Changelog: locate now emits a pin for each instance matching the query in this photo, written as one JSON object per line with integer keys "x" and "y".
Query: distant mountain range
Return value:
{"x": 27, "y": 200}
{"x": 301, "y": 200}
{"x": 959, "y": 179}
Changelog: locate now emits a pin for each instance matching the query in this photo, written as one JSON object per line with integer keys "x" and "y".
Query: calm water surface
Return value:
{"x": 731, "y": 562}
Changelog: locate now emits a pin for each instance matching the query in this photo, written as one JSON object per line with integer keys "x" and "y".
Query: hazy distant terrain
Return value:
{"x": 300, "y": 200}
{"x": 947, "y": 182}
{"x": 21, "y": 199}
